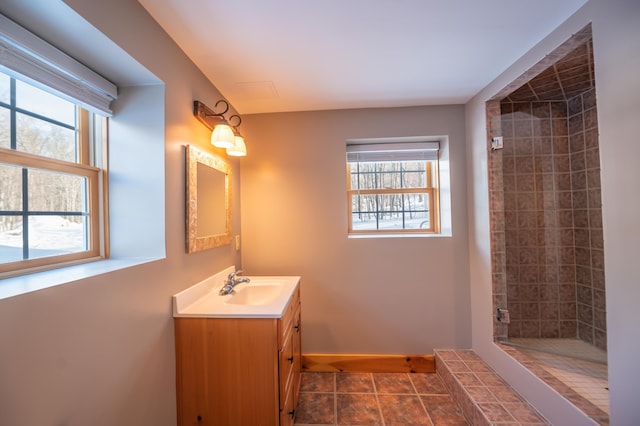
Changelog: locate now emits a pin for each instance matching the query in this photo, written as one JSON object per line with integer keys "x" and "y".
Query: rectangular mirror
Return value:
{"x": 208, "y": 200}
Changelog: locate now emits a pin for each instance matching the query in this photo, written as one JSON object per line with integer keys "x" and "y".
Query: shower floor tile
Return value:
{"x": 589, "y": 379}
{"x": 581, "y": 381}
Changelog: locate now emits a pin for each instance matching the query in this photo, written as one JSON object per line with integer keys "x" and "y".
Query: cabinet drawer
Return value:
{"x": 285, "y": 324}
{"x": 288, "y": 412}
{"x": 287, "y": 362}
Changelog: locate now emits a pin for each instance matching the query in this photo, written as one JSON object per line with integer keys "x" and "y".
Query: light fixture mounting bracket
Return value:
{"x": 209, "y": 117}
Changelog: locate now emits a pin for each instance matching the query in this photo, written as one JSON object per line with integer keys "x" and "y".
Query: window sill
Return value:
{"x": 15, "y": 286}
{"x": 390, "y": 235}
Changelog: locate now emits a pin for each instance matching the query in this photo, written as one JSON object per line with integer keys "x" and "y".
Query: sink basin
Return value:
{"x": 255, "y": 295}
{"x": 262, "y": 297}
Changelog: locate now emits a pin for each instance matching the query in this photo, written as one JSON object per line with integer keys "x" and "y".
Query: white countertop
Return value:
{"x": 203, "y": 301}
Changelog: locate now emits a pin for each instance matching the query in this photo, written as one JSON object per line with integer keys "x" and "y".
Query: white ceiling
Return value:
{"x": 288, "y": 55}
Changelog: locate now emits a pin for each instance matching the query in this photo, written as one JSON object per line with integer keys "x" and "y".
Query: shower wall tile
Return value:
{"x": 568, "y": 329}
{"x": 594, "y": 198}
{"x": 561, "y": 162}
{"x": 590, "y": 119}
{"x": 568, "y": 311}
{"x": 560, "y": 127}
{"x": 593, "y": 175}
{"x": 591, "y": 138}
{"x": 550, "y": 329}
{"x": 551, "y": 229}
{"x": 576, "y": 124}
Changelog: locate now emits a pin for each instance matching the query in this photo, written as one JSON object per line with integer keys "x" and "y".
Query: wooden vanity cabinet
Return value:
{"x": 238, "y": 371}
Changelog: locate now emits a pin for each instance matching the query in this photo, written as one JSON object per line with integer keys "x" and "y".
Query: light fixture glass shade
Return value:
{"x": 222, "y": 136}
{"x": 239, "y": 149}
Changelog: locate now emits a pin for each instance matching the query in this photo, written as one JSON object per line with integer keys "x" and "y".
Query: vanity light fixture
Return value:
{"x": 222, "y": 136}
{"x": 239, "y": 149}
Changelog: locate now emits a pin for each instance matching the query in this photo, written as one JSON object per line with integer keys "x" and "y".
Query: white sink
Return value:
{"x": 261, "y": 297}
{"x": 254, "y": 295}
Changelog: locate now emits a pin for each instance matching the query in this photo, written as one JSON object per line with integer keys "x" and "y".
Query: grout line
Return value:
{"x": 335, "y": 399}
{"x": 420, "y": 400}
{"x": 375, "y": 392}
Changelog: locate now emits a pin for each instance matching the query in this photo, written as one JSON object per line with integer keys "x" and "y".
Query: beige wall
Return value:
{"x": 383, "y": 295}
{"x": 100, "y": 351}
{"x": 616, "y": 40}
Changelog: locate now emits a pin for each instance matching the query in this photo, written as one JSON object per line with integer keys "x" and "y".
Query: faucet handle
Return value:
{"x": 232, "y": 275}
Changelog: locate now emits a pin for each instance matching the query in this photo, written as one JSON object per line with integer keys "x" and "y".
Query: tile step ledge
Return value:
{"x": 484, "y": 397}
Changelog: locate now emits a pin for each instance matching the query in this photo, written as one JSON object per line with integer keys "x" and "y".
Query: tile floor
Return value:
{"x": 385, "y": 399}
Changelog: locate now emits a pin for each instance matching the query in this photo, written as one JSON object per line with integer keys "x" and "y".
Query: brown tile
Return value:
{"x": 479, "y": 367}
{"x": 354, "y": 382}
{"x": 443, "y": 411}
{"x": 317, "y": 382}
{"x": 315, "y": 408}
{"x": 447, "y": 355}
{"x": 403, "y": 410}
{"x": 495, "y": 412}
{"x": 393, "y": 383}
{"x": 468, "y": 379}
{"x": 457, "y": 366}
{"x": 504, "y": 393}
{"x": 490, "y": 379}
{"x": 357, "y": 409}
{"x": 480, "y": 394}
{"x": 428, "y": 383}
{"x": 523, "y": 413}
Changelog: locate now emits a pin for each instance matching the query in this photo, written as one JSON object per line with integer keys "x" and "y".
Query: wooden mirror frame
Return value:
{"x": 194, "y": 242}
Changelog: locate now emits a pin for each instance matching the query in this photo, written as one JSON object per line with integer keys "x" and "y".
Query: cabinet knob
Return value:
{"x": 290, "y": 359}
{"x": 297, "y": 327}
{"x": 292, "y": 413}
{"x": 199, "y": 419}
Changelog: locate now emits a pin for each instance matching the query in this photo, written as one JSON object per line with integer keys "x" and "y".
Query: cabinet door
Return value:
{"x": 227, "y": 371}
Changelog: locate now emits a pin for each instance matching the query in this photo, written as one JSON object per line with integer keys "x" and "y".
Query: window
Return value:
{"x": 51, "y": 154}
{"x": 50, "y": 202}
{"x": 392, "y": 188}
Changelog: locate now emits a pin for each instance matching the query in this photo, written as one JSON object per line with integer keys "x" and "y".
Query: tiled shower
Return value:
{"x": 546, "y": 220}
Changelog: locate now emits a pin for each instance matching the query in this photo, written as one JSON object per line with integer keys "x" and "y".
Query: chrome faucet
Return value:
{"x": 232, "y": 281}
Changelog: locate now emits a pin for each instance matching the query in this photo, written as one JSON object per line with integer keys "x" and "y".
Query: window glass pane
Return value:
{"x": 5, "y": 128}
{"x": 416, "y": 215}
{"x": 55, "y": 235}
{"x": 11, "y": 193}
{"x": 390, "y": 211}
{"x": 4, "y": 88}
{"x": 56, "y": 192}
{"x": 10, "y": 238}
{"x": 39, "y": 137}
{"x": 388, "y": 175}
{"x": 40, "y": 102}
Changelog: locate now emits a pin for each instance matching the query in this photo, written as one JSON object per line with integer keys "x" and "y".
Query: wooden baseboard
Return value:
{"x": 369, "y": 363}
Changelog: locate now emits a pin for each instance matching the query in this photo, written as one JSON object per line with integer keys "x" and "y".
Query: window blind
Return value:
{"x": 25, "y": 56}
{"x": 405, "y": 151}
